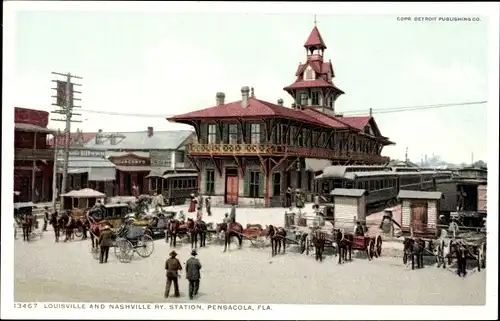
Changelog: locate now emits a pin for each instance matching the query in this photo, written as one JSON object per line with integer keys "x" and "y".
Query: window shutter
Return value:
{"x": 248, "y": 133}
{"x": 203, "y": 139}
{"x": 262, "y": 182}
{"x": 225, "y": 133}
{"x": 246, "y": 184}
{"x": 218, "y": 139}
{"x": 263, "y": 137}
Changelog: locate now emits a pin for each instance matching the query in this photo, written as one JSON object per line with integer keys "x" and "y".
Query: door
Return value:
{"x": 419, "y": 216}
{"x": 232, "y": 189}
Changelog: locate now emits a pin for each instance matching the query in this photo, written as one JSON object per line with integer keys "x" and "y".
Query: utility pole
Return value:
{"x": 65, "y": 101}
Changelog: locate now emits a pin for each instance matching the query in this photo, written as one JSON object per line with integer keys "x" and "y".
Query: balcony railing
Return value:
{"x": 33, "y": 154}
{"x": 280, "y": 151}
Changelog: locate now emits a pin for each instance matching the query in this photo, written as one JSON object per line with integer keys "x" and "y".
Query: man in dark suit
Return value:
{"x": 173, "y": 266}
{"x": 193, "y": 267}
{"x": 105, "y": 241}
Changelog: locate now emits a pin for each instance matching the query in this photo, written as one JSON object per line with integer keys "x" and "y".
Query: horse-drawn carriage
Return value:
{"x": 129, "y": 239}
{"x": 155, "y": 224}
{"x": 23, "y": 218}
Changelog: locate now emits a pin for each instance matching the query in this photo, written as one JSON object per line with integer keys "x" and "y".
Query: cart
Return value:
{"x": 78, "y": 202}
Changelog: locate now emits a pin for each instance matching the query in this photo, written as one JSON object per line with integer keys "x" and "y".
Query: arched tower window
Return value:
{"x": 309, "y": 74}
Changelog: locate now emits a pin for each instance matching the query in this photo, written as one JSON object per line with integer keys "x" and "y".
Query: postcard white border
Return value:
{"x": 283, "y": 311}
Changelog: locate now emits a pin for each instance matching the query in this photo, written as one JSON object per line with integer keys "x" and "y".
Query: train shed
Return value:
{"x": 350, "y": 206}
{"x": 420, "y": 212}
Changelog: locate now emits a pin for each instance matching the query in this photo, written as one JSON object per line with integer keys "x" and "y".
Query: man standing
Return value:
{"x": 208, "y": 205}
{"x": 54, "y": 221}
{"x": 193, "y": 267}
{"x": 105, "y": 241}
{"x": 172, "y": 265}
{"x": 288, "y": 199}
{"x": 46, "y": 218}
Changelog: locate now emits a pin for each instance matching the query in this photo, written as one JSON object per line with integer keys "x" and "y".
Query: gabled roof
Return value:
{"x": 315, "y": 39}
{"x": 255, "y": 108}
{"x": 74, "y": 137}
{"x": 309, "y": 83}
{"x": 324, "y": 118}
{"x": 317, "y": 66}
{"x": 161, "y": 140}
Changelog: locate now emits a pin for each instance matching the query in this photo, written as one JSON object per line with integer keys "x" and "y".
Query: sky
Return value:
{"x": 170, "y": 63}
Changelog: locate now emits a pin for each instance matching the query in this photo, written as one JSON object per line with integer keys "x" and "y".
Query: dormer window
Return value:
{"x": 315, "y": 98}
{"x": 309, "y": 74}
{"x": 303, "y": 99}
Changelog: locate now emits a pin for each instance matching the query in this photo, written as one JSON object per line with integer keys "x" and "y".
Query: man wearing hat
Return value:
{"x": 46, "y": 218}
{"x": 193, "y": 267}
{"x": 358, "y": 229}
{"x": 105, "y": 241}
{"x": 172, "y": 265}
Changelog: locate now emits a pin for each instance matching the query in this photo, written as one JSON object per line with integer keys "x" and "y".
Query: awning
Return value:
{"x": 134, "y": 168}
{"x": 316, "y": 165}
{"x": 84, "y": 193}
{"x": 158, "y": 172}
{"x": 174, "y": 175}
{"x": 95, "y": 173}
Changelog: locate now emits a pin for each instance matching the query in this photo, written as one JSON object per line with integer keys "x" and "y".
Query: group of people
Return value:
{"x": 196, "y": 204}
{"x": 173, "y": 267}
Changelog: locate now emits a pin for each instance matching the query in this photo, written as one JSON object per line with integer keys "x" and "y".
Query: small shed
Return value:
{"x": 420, "y": 212}
{"x": 350, "y": 206}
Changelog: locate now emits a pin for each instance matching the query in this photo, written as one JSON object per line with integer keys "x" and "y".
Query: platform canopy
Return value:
{"x": 84, "y": 193}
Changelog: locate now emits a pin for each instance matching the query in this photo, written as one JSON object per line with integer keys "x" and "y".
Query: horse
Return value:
{"x": 414, "y": 247}
{"x": 460, "y": 251}
{"x": 66, "y": 222}
{"x": 174, "y": 227}
{"x": 278, "y": 237}
{"x": 344, "y": 245}
{"x": 27, "y": 225}
{"x": 195, "y": 229}
{"x": 318, "y": 239}
{"x": 230, "y": 230}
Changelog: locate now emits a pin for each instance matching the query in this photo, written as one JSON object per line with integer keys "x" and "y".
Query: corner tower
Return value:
{"x": 314, "y": 86}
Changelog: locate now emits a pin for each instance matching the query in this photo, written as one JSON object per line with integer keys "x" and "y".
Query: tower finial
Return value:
{"x": 315, "y": 21}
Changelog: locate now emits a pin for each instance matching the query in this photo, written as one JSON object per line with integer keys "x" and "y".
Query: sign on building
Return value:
{"x": 84, "y": 153}
{"x": 130, "y": 161}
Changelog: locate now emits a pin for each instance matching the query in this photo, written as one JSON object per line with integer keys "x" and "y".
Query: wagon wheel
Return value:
{"x": 145, "y": 246}
{"x": 257, "y": 241}
{"x": 124, "y": 251}
{"x": 148, "y": 232}
{"x": 379, "y": 246}
{"x": 371, "y": 249}
{"x": 79, "y": 232}
{"x": 94, "y": 251}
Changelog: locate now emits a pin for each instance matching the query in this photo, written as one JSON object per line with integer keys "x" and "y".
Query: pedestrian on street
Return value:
{"x": 54, "y": 221}
{"x": 105, "y": 242}
{"x": 173, "y": 266}
{"x": 46, "y": 218}
{"x": 208, "y": 205}
{"x": 288, "y": 199}
{"x": 193, "y": 267}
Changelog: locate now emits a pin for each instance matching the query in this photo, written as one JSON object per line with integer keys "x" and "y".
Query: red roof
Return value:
{"x": 324, "y": 118}
{"x": 255, "y": 108}
{"x": 315, "y": 39}
{"x": 317, "y": 66}
{"x": 358, "y": 122}
{"x": 309, "y": 84}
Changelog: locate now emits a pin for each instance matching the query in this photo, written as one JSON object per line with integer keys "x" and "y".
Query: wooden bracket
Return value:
{"x": 297, "y": 134}
{"x": 263, "y": 165}
{"x": 243, "y": 131}
{"x": 291, "y": 165}
{"x": 287, "y": 131}
{"x": 193, "y": 161}
{"x": 328, "y": 139}
{"x": 276, "y": 164}
{"x": 320, "y": 133}
{"x": 240, "y": 166}
{"x": 308, "y": 136}
{"x": 217, "y": 166}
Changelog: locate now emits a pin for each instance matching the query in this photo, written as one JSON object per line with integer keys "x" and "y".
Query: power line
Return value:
{"x": 352, "y": 112}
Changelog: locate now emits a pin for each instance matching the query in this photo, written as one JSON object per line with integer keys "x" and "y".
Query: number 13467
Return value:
{"x": 25, "y": 305}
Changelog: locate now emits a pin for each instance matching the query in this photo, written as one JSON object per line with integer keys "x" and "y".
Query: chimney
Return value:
{"x": 252, "y": 93}
{"x": 150, "y": 131}
{"x": 245, "y": 91}
{"x": 219, "y": 98}
{"x": 98, "y": 137}
{"x": 371, "y": 112}
{"x": 280, "y": 102}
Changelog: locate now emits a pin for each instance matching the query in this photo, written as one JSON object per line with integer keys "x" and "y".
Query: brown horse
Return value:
{"x": 344, "y": 245}
{"x": 195, "y": 229}
{"x": 318, "y": 239}
{"x": 278, "y": 237}
{"x": 234, "y": 229}
{"x": 414, "y": 248}
{"x": 174, "y": 228}
{"x": 460, "y": 251}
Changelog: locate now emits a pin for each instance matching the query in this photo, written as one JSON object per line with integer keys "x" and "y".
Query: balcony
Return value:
{"x": 33, "y": 154}
{"x": 280, "y": 151}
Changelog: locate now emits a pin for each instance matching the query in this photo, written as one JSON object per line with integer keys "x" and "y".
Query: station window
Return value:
{"x": 210, "y": 181}
{"x": 212, "y": 134}
{"x": 315, "y": 98}
{"x": 254, "y": 184}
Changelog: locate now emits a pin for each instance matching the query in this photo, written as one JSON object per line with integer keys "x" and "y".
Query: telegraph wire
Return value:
{"x": 348, "y": 113}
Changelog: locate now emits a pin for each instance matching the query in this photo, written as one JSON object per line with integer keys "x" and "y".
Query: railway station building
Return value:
{"x": 249, "y": 152}
{"x": 33, "y": 158}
